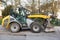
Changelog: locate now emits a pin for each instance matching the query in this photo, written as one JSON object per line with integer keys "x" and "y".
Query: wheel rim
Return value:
{"x": 36, "y": 28}
{"x": 14, "y": 27}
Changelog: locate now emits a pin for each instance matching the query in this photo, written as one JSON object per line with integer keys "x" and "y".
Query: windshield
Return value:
{"x": 21, "y": 12}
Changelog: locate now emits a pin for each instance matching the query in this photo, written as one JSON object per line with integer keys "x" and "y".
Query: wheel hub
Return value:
{"x": 14, "y": 27}
{"x": 35, "y": 28}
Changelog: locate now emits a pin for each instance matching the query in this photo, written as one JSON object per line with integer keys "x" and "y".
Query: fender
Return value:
{"x": 15, "y": 21}
{"x": 29, "y": 22}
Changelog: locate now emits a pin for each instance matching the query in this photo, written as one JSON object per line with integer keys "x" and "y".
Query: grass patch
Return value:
{"x": 0, "y": 21}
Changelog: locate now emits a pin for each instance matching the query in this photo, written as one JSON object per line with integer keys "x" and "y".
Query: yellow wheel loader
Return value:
{"x": 22, "y": 20}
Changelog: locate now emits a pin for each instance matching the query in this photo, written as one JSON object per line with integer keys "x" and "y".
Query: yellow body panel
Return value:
{"x": 39, "y": 16}
{"x": 8, "y": 18}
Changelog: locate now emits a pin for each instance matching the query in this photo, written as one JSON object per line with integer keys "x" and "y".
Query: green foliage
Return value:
{"x": 55, "y": 22}
{"x": 0, "y": 21}
{"x": 6, "y": 11}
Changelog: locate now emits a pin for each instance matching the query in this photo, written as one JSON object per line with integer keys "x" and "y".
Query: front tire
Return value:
{"x": 36, "y": 27}
{"x": 14, "y": 27}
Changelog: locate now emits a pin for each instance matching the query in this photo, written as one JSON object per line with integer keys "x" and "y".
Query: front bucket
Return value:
{"x": 49, "y": 29}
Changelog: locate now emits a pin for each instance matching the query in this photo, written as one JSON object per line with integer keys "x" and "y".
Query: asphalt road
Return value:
{"x": 27, "y": 35}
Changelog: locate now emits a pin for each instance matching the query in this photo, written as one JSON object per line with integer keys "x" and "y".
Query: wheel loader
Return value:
{"x": 36, "y": 22}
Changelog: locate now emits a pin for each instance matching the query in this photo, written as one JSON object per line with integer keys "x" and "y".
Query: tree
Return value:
{"x": 6, "y": 11}
{"x": 39, "y": 5}
{"x": 32, "y": 5}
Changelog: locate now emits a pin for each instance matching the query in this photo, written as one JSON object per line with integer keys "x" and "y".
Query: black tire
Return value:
{"x": 14, "y": 27}
{"x": 36, "y": 27}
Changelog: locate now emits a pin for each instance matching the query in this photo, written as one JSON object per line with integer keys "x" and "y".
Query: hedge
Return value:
{"x": 0, "y": 21}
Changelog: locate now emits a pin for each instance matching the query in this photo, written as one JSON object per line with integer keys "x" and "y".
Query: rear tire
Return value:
{"x": 36, "y": 27}
{"x": 14, "y": 27}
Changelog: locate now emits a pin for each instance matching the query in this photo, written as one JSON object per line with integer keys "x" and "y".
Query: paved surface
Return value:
{"x": 27, "y": 35}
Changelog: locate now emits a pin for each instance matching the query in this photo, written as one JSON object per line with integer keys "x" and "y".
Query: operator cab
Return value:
{"x": 21, "y": 16}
